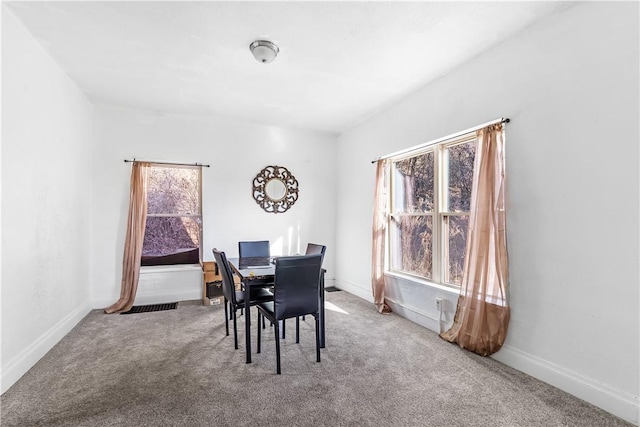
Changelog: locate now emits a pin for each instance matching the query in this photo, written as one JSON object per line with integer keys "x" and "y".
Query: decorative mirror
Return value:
{"x": 275, "y": 189}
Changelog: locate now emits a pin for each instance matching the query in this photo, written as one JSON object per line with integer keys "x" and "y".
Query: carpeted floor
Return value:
{"x": 177, "y": 368}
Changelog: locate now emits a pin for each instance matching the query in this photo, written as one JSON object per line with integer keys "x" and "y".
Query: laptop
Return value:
{"x": 254, "y": 263}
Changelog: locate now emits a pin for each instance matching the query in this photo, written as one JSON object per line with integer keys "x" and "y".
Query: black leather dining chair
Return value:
{"x": 314, "y": 248}
{"x": 254, "y": 249}
{"x": 296, "y": 288}
{"x": 233, "y": 297}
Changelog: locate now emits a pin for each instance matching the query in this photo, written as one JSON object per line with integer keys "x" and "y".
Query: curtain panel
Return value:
{"x": 482, "y": 315}
{"x": 134, "y": 239}
{"x": 380, "y": 213}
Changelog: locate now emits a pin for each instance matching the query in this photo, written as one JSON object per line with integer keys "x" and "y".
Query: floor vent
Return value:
{"x": 331, "y": 289}
{"x": 152, "y": 307}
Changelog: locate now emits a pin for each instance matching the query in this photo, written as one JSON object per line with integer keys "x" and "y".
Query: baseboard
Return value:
{"x": 410, "y": 313}
{"x": 415, "y": 315}
{"x": 152, "y": 298}
{"x": 162, "y": 285}
{"x": 617, "y": 402}
{"x": 21, "y": 363}
{"x": 353, "y": 289}
{"x": 166, "y": 297}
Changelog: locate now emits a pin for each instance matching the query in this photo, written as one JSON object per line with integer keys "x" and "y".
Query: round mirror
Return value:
{"x": 275, "y": 189}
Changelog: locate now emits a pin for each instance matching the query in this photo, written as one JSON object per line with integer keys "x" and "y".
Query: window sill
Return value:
{"x": 453, "y": 290}
{"x": 169, "y": 268}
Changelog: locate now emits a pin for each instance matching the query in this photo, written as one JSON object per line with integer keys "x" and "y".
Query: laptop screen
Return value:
{"x": 253, "y": 262}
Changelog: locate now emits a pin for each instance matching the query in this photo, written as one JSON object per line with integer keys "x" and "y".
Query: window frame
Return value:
{"x": 394, "y": 215}
{"x": 197, "y": 216}
{"x": 439, "y": 214}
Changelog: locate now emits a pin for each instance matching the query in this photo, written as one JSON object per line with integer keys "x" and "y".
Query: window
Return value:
{"x": 174, "y": 216}
{"x": 430, "y": 203}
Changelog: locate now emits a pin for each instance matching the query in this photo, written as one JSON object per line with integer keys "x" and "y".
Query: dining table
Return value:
{"x": 260, "y": 271}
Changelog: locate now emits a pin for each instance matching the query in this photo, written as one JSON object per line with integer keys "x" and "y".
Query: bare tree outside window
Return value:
{"x": 174, "y": 216}
{"x": 458, "y": 161}
{"x": 430, "y": 212}
{"x": 414, "y": 242}
{"x": 413, "y": 201}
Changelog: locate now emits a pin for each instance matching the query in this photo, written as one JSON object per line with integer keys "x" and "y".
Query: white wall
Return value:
{"x": 236, "y": 152}
{"x": 570, "y": 86}
{"x": 46, "y": 170}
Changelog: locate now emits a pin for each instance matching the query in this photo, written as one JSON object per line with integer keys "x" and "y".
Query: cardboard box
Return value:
{"x": 210, "y": 277}
{"x": 209, "y": 266}
{"x": 214, "y": 289}
{"x": 212, "y": 301}
{"x": 211, "y": 274}
{"x": 210, "y": 271}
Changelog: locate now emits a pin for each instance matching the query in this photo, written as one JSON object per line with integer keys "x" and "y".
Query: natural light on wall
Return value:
{"x": 276, "y": 247}
{"x": 294, "y": 241}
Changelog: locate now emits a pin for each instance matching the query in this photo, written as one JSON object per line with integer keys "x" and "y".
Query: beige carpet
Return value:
{"x": 177, "y": 368}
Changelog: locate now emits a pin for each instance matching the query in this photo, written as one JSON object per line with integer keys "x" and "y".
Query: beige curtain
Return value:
{"x": 482, "y": 316}
{"x": 379, "y": 235}
{"x": 135, "y": 237}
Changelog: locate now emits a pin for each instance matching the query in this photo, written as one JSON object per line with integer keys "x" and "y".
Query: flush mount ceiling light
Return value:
{"x": 264, "y": 51}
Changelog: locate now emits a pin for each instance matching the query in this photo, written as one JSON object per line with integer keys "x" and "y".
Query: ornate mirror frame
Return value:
{"x": 272, "y": 203}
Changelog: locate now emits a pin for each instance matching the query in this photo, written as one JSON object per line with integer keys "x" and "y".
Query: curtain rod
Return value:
{"x": 166, "y": 163}
{"x": 444, "y": 138}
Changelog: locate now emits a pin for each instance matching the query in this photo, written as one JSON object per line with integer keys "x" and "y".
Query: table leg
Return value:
{"x": 322, "y": 343}
{"x": 247, "y": 319}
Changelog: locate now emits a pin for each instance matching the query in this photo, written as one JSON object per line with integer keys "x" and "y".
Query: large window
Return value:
{"x": 430, "y": 202}
{"x": 174, "y": 216}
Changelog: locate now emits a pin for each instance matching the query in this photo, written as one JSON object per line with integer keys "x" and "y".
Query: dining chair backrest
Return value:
{"x": 254, "y": 249}
{"x": 296, "y": 286}
{"x": 228, "y": 286}
{"x": 313, "y": 248}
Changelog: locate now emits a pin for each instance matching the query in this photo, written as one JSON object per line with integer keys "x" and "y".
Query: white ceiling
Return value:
{"x": 339, "y": 62}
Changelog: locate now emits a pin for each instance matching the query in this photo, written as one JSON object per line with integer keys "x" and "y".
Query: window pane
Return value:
{"x": 171, "y": 236}
{"x": 174, "y": 191}
{"x": 413, "y": 184}
{"x": 413, "y": 245}
{"x": 460, "y": 176}
{"x": 456, "y": 229}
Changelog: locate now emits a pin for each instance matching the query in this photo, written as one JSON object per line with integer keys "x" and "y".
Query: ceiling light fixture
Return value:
{"x": 264, "y": 51}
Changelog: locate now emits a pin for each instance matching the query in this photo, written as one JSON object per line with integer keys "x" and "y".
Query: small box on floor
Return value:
{"x": 210, "y": 271}
{"x": 213, "y": 293}
{"x": 212, "y": 301}
{"x": 214, "y": 289}
{"x": 212, "y": 283}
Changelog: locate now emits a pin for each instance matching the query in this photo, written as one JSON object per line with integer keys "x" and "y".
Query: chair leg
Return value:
{"x": 235, "y": 329}
{"x": 259, "y": 331}
{"x": 297, "y": 329}
{"x": 230, "y": 308}
{"x": 284, "y": 330}
{"x": 317, "y": 337}
{"x": 276, "y": 330}
{"x": 226, "y": 318}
